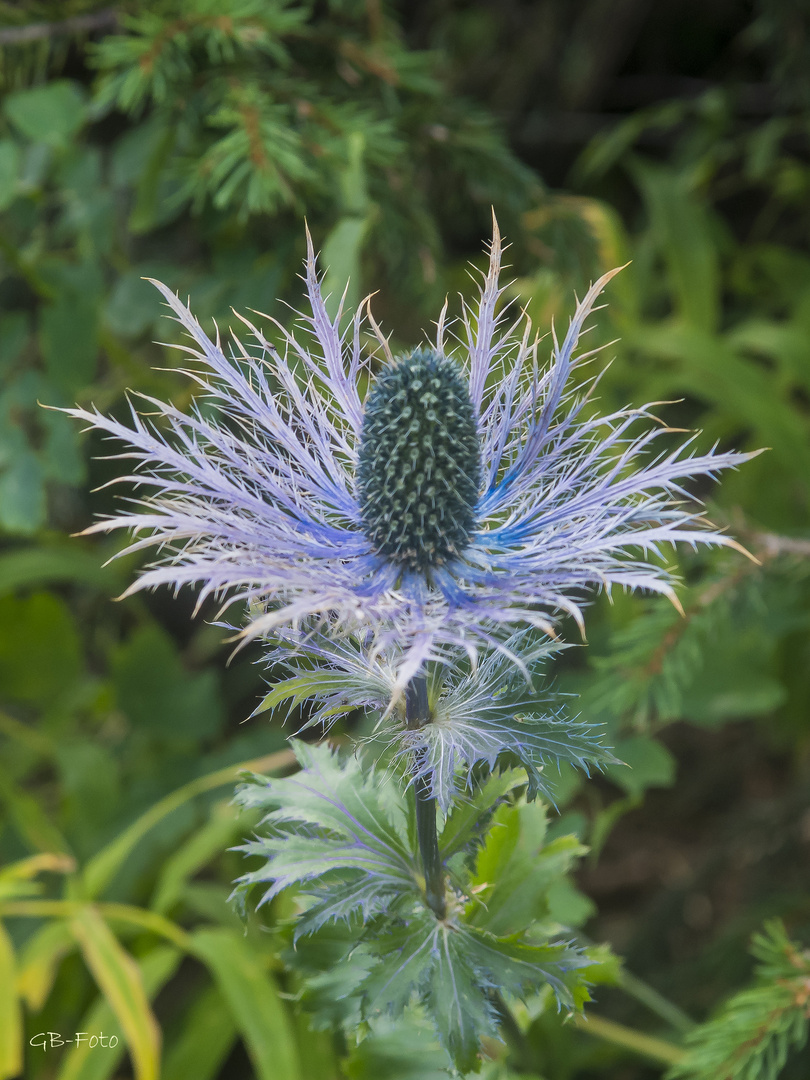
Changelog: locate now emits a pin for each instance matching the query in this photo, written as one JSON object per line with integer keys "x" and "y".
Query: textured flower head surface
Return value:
{"x": 440, "y": 499}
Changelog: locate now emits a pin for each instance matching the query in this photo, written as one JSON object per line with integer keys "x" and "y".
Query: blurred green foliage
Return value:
{"x": 187, "y": 141}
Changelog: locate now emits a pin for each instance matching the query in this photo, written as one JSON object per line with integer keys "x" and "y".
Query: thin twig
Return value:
{"x": 78, "y": 24}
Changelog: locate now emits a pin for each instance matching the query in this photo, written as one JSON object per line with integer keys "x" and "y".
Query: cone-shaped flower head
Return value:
{"x": 419, "y": 463}
{"x": 464, "y": 492}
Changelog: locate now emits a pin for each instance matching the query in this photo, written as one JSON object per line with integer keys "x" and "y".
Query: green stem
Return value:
{"x": 658, "y": 1050}
{"x": 655, "y": 1002}
{"x": 417, "y": 714}
{"x": 649, "y": 997}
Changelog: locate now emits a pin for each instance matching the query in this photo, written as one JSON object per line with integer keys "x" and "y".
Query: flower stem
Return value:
{"x": 655, "y": 1002}
{"x": 658, "y": 1050}
{"x": 417, "y": 714}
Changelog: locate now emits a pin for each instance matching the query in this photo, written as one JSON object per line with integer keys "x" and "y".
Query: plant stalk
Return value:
{"x": 658, "y": 1050}
{"x": 417, "y": 714}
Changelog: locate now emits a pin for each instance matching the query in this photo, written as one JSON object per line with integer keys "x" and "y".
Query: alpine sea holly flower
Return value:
{"x": 439, "y": 499}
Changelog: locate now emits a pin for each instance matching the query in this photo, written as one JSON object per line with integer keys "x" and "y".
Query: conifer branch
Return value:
{"x": 757, "y": 1029}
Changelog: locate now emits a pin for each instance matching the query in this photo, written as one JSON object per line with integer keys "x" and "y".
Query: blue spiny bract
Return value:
{"x": 537, "y": 497}
{"x": 419, "y": 465}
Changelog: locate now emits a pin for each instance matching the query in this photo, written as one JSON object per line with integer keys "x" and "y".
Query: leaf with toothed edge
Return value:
{"x": 337, "y": 831}
{"x": 339, "y": 834}
{"x": 515, "y": 868}
{"x": 455, "y": 971}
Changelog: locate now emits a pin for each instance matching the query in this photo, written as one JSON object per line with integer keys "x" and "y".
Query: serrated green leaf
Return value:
{"x": 333, "y": 967}
{"x": 467, "y": 820}
{"x": 455, "y": 970}
{"x": 520, "y": 968}
{"x": 514, "y": 869}
{"x": 406, "y": 954}
{"x": 299, "y": 688}
{"x": 461, "y": 1012}
{"x": 332, "y": 998}
{"x": 335, "y": 819}
{"x": 604, "y": 968}
{"x": 429, "y": 959}
{"x": 404, "y": 1049}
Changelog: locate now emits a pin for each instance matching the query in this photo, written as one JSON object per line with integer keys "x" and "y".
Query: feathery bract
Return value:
{"x": 501, "y": 503}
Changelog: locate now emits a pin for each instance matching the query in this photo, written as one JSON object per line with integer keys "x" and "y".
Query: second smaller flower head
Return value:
{"x": 469, "y": 491}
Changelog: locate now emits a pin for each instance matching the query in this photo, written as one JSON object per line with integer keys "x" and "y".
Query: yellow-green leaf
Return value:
{"x": 211, "y": 840}
{"x": 119, "y": 979}
{"x": 39, "y": 961}
{"x": 86, "y": 1062}
{"x": 10, "y": 1016}
{"x": 240, "y": 972}
{"x": 25, "y": 869}
{"x": 105, "y": 864}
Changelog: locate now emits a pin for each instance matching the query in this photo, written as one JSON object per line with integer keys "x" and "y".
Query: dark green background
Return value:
{"x": 188, "y": 141}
